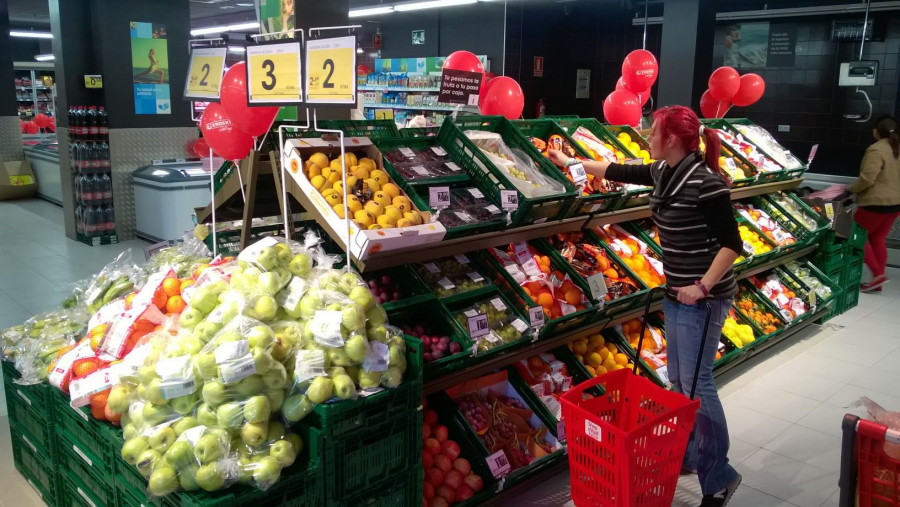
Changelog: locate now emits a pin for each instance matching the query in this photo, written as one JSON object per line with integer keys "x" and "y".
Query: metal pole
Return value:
{"x": 646, "y": 11}
{"x": 862, "y": 41}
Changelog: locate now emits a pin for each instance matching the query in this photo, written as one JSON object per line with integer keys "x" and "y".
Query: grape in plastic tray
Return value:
{"x": 451, "y": 275}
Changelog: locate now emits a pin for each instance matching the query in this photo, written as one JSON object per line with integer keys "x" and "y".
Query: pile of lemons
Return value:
{"x": 740, "y": 335}
{"x": 372, "y": 200}
{"x": 634, "y": 147}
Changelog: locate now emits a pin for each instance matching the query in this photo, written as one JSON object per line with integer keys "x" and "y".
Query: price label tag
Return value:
{"x": 475, "y": 276}
{"x": 509, "y": 199}
{"x": 536, "y": 316}
{"x": 432, "y": 267}
{"x": 439, "y": 197}
{"x": 408, "y": 153}
{"x": 231, "y": 351}
{"x": 578, "y": 174}
{"x": 237, "y": 370}
{"x": 476, "y": 193}
{"x": 331, "y": 71}
{"x": 748, "y": 248}
{"x": 205, "y": 73}
{"x": 446, "y": 284}
{"x": 478, "y": 325}
{"x": 663, "y": 373}
{"x": 786, "y": 315}
{"x": 561, "y": 431}
{"x": 177, "y": 388}
{"x": 597, "y": 284}
{"x": 309, "y": 364}
{"x": 812, "y": 153}
{"x": 498, "y": 304}
{"x": 593, "y": 430}
{"x": 520, "y": 325}
{"x": 439, "y": 151}
{"x": 93, "y": 81}
{"x": 420, "y": 170}
{"x": 274, "y": 73}
{"x": 461, "y": 258}
{"x": 326, "y": 328}
{"x": 493, "y": 210}
{"x": 498, "y": 464}
{"x": 378, "y": 357}
{"x": 453, "y": 167}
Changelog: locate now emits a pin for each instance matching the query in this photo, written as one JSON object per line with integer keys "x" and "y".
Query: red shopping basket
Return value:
{"x": 626, "y": 447}
{"x": 866, "y": 468}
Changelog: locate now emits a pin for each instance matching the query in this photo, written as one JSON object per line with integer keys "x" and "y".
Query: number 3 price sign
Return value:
{"x": 331, "y": 71}
{"x": 205, "y": 73}
{"x": 274, "y": 74}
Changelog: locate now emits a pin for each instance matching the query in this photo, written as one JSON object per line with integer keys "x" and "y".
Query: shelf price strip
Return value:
{"x": 274, "y": 74}
{"x": 205, "y": 73}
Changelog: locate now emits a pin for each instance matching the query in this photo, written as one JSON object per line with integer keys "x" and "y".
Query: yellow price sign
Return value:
{"x": 331, "y": 71}
{"x": 274, "y": 73}
{"x": 205, "y": 73}
{"x": 93, "y": 81}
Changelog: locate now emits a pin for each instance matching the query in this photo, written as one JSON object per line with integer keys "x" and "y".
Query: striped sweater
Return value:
{"x": 691, "y": 206}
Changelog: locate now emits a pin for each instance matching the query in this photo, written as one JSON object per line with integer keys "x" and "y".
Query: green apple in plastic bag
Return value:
{"x": 147, "y": 461}
{"x": 296, "y": 407}
{"x": 163, "y": 481}
{"x": 254, "y": 434}
{"x": 356, "y": 348}
{"x": 210, "y": 477}
{"x": 283, "y": 452}
{"x": 320, "y": 390}
{"x": 266, "y": 472}
{"x": 133, "y": 448}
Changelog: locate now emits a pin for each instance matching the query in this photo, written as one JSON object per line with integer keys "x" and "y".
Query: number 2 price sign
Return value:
{"x": 205, "y": 73}
{"x": 331, "y": 71}
{"x": 274, "y": 74}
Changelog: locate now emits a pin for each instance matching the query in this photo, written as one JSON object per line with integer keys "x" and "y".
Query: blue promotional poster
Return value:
{"x": 150, "y": 68}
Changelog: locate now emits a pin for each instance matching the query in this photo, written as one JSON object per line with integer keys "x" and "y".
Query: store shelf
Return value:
{"x": 502, "y": 360}
{"x": 397, "y": 89}
{"x": 414, "y": 108}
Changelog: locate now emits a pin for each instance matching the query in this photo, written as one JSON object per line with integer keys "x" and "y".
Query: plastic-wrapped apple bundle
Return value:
{"x": 264, "y": 450}
{"x": 311, "y": 385}
{"x": 386, "y": 362}
{"x": 183, "y": 257}
{"x": 185, "y": 458}
{"x": 34, "y": 346}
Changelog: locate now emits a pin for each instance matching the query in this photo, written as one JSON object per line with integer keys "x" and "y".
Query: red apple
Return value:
{"x": 436, "y": 477}
{"x": 431, "y": 417}
{"x": 438, "y": 501}
{"x": 443, "y": 463}
{"x": 461, "y": 465}
{"x": 464, "y": 493}
{"x": 440, "y": 432}
{"x": 450, "y": 449}
{"x": 474, "y": 481}
{"x": 425, "y": 503}
{"x": 454, "y": 479}
{"x": 427, "y": 490}
{"x": 447, "y": 493}
{"x": 426, "y": 431}
{"x": 427, "y": 460}
{"x": 432, "y": 446}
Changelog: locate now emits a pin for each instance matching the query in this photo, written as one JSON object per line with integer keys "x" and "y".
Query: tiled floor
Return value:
{"x": 784, "y": 409}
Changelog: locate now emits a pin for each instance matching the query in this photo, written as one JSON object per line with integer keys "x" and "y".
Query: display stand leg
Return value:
{"x": 252, "y": 178}
{"x": 284, "y": 203}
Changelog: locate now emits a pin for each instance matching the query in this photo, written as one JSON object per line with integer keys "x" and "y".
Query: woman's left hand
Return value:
{"x": 689, "y": 295}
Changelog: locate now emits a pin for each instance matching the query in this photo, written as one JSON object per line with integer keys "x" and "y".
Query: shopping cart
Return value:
{"x": 626, "y": 447}
{"x": 866, "y": 469}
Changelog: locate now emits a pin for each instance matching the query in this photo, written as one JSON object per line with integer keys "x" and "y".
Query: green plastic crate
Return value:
{"x": 852, "y": 277}
{"x": 75, "y": 493}
{"x": 412, "y": 288}
{"x": 36, "y": 396}
{"x": 523, "y": 302}
{"x": 761, "y": 176}
{"x": 86, "y": 468}
{"x": 851, "y": 299}
{"x": 457, "y": 305}
{"x": 230, "y": 241}
{"x": 430, "y": 271}
{"x": 858, "y": 237}
{"x": 402, "y": 489}
{"x": 754, "y": 259}
{"x": 376, "y": 454}
{"x": 820, "y": 224}
{"x": 386, "y": 144}
{"x": 584, "y": 204}
{"x": 225, "y": 171}
{"x": 9, "y": 373}
{"x": 419, "y": 131}
{"x": 91, "y": 442}
{"x": 434, "y": 317}
{"x": 492, "y": 180}
{"x": 34, "y": 422}
{"x": 347, "y": 417}
{"x": 38, "y": 472}
{"x": 614, "y": 336}
{"x": 761, "y": 300}
{"x": 790, "y": 172}
{"x": 801, "y": 235}
{"x": 372, "y": 129}
{"x": 420, "y": 198}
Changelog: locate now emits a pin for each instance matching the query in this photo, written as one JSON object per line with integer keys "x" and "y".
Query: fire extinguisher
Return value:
{"x": 541, "y": 109}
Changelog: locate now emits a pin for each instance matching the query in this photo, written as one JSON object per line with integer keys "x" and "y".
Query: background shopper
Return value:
{"x": 691, "y": 205}
{"x": 878, "y": 192}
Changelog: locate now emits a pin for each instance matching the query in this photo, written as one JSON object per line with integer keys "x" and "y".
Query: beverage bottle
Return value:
{"x": 109, "y": 218}
{"x": 106, "y": 188}
{"x": 103, "y": 154}
{"x": 71, "y": 117}
{"x": 90, "y": 227}
{"x": 93, "y": 126}
{"x": 95, "y": 157}
{"x": 79, "y": 196}
{"x": 79, "y": 224}
{"x": 77, "y": 124}
{"x": 103, "y": 123}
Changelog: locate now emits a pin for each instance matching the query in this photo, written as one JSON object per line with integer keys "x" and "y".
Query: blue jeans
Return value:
{"x": 708, "y": 449}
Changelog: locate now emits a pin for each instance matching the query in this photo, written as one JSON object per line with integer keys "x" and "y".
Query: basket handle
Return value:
{"x": 644, "y": 326}
{"x": 575, "y": 392}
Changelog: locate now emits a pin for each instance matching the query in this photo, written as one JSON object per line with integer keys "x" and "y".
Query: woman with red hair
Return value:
{"x": 691, "y": 205}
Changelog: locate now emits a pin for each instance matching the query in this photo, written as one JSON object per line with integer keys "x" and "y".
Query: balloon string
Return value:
{"x": 212, "y": 190}
{"x": 240, "y": 180}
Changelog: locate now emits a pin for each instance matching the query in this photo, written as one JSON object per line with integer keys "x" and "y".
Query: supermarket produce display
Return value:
{"x": 483, "y": 283}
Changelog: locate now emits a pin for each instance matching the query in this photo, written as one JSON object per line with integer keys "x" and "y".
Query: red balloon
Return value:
{"x": 622, "y": 107}
{"x": 31, "y": 127}
{"x": 712, "y": 108}
{"x": 639, "y": 70}
{"x": 200, "y": 148}
{"x": 751, "y": 90}
{"x": 463, "y": 60}
{"x": 42, "y": 120}
{"x": 724, "y": 83}
{"x": 254, "y": 121}
{"x": 52, "y": 125}
{"x": 503, "y": 96}
{"x": 644, "y": 95}
{"x": 222, "y": 136}
{"x": 362, "y": 70}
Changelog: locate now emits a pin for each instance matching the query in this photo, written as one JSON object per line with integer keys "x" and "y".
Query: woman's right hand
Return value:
{"x": 558, "y": 158}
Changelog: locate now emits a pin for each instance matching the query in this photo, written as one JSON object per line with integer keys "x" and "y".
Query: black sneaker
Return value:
{"x": 716, "y": 501}
{"x": 687, "y": 471}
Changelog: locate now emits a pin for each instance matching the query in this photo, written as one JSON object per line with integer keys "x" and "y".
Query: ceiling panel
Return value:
{"x": 24, "y": 12}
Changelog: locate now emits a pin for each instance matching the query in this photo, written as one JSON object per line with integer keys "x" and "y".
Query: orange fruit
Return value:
{"x": 175, "y": 304}
{"x": 160, "y": 298}
{"x": 545, "y": 299}
{"x": 171, "y": 286}
{"x": 187, "y": 282}
{"x": 110, "y": 416}
{"x": 198, "y": 270}
{"x": 573, "y": 297}
{"x": 621, "y": 359}
{"x": 611, "y": 274}
{"x": 143, "y": 325}
{"x": 84, "y": 367}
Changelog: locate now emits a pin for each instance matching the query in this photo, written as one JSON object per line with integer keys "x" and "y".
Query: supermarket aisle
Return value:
{"x": 785, "y": 409}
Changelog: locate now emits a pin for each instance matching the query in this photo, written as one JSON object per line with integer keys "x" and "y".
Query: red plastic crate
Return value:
{"x": 626, "y": 447}
{"x": 879, "y": 473}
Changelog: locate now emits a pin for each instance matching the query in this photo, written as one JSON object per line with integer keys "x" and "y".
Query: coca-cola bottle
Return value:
{"x": 103, "y": 156}
{"x": 103, "y": 123}
{"x": 93, "y": 126}
{"x": 109, "y": 218}
{"x": 90, "y": 226}
{"x": 106, "y": 188}
{"x": 79, "y": 223}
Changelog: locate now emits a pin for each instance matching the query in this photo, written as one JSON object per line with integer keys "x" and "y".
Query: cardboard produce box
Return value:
{"x": 839, "y": 212}
{"x": 16, "y": 180}
{"x": 363, "y": 243}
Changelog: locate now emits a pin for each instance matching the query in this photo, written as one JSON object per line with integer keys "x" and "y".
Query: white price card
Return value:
{"x": 509, "y": 199}
{"x": 378, "y": 358}
{"x": 578, "y": 174}
{"x": 452, "y": 166}
{"x": 663, "y": 373}
{"x": 441, "y": 152}
{"x": 432, "y": 267}
{"x": 498, "y": 464}
{"x": 748, "y": 248}
{"x": 478, "y": 325}
{"x": 593, "y": 430}
{"x": 407, "y": 152}
{"x": 597, "y": 284}
{"x": 439, "y": 197}
{"x": 498, "y": 304}
{"x": 476, "y": 193}
{"x": 462, "y": 259}
{"x": 536, "y": 316}
{"x": 238, "y": 369}
{"x": 177, "y": 388}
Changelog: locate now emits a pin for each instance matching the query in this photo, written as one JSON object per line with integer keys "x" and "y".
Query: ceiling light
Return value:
{"x": 249, "y": 25}
{"x": 356, "y": 13}
{"x": 33, "y": 35}
{"x": 359, "y": 50}
{"x": 45, "y": 58}
{"x": 244, "y": 5}
{"x": 236, "y": 49}
{"x": 433, "y": 4}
